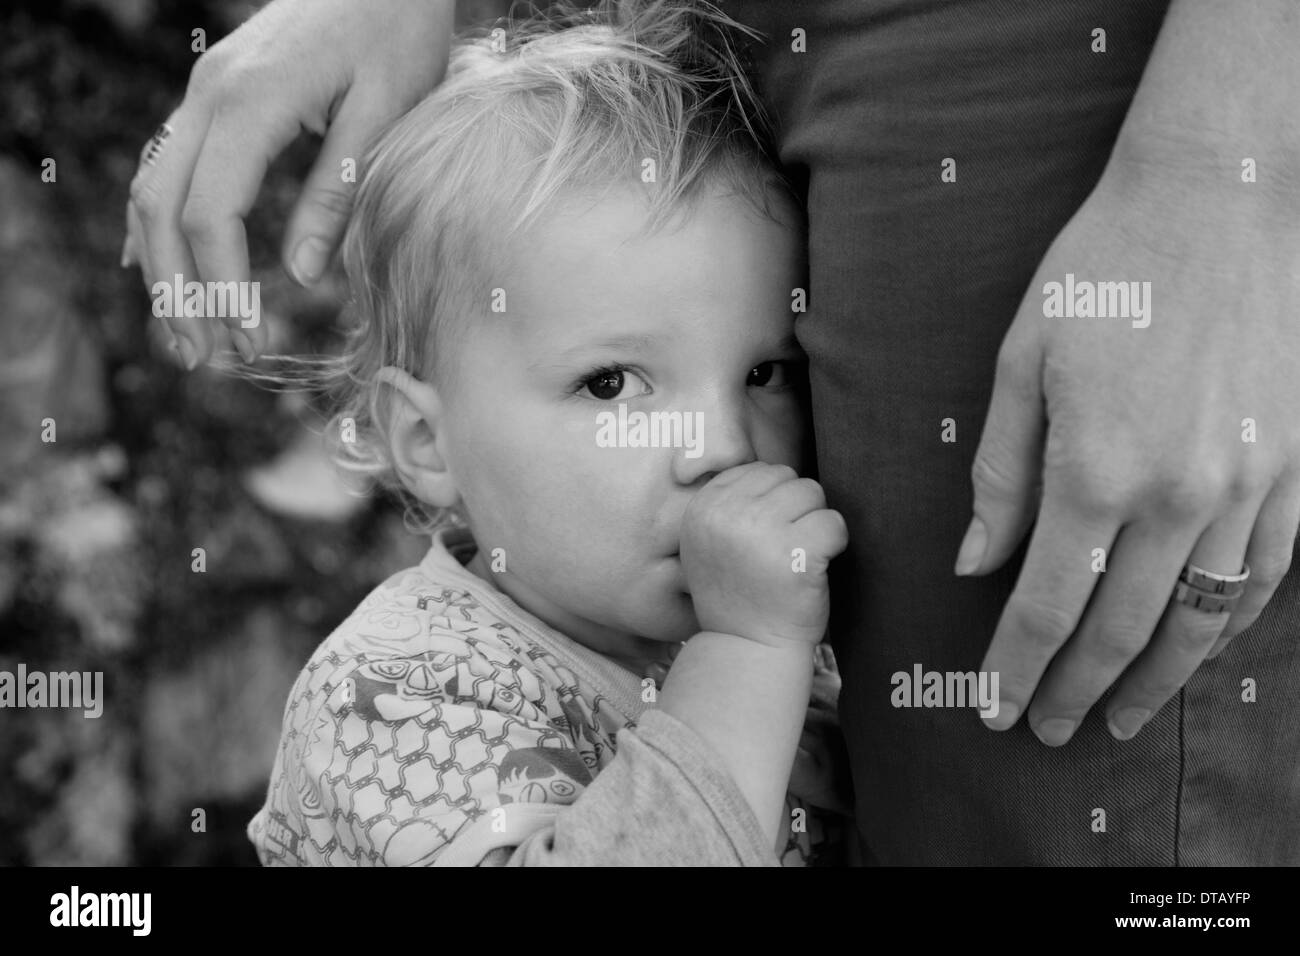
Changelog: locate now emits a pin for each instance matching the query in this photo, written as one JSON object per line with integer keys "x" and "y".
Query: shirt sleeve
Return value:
{"x": 661, "y": 802}
{"x": 446, "y": 759}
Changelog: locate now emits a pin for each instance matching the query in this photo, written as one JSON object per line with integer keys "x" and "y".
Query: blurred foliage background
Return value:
{"x": 98, "y": 528}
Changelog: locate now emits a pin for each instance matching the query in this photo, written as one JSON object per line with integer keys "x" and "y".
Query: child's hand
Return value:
{"x": 820, "y": 776}
{"x": 756, "y": 542}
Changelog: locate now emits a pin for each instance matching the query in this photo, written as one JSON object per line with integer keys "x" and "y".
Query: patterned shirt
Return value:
{"x": 442, "y": 724}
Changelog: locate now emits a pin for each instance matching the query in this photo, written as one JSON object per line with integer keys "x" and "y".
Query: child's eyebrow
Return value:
{"x": 620, "y": 343}
{"x": 787, "y": 344}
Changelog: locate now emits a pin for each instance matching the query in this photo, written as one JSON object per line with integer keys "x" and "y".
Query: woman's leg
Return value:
{"x": 914, "y": 281}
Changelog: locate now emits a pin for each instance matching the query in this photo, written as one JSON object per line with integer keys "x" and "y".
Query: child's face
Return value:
{"x": 695, "y": 319}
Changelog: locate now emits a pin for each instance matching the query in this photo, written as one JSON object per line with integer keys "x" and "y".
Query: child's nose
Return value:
{"x": 718, "y": 439}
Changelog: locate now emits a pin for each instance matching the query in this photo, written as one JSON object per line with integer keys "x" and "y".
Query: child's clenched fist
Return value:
{"x": 756, "y": 543}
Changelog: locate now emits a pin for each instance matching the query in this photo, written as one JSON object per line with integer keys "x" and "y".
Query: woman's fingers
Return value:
{"x": 1272, "y": 544}
{"x": 154, "y": 236}
{"x": 284, "y": 70}
{"x": 226, "y": 181}
{"x": 1131, "y": 595}
{"x": 1186, "y": 633}
{"x": 1049, "y": 600}
{"x": 321, "y": 214}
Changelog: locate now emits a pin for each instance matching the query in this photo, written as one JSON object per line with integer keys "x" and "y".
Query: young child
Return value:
{"x": 574, "y": 266}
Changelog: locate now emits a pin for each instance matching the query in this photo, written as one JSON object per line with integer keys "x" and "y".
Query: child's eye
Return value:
{"x": 608, "y": 384}
{"x": 771, "y": 375}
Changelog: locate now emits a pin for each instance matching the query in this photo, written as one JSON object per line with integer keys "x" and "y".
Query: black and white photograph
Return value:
{"x": 652, "y": 433}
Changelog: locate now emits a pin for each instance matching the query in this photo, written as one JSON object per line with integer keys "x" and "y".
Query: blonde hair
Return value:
{"x": 575, "y": 99}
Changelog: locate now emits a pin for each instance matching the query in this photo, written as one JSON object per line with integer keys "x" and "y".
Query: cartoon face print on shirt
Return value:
{"x": 542, "y": 775}
{"x": 400, "y": 688}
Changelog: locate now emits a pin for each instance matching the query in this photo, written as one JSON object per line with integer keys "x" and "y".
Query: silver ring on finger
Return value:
{"x": 1208, "y": 581}
{"x": 153, "y": 149}
{"x": 1210, "y": 592}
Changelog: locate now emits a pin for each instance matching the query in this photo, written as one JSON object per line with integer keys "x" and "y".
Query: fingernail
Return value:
{"x": 1055, "y": 731}
{"x": 188, "y": 353}
{"x": 310, "y": 259}
{"x": 972, "y": 547}
{"x": 1007, "y": 714}
{"x": 126, "y": 254}
{"x": 244, "y": 345}
{"x": 1127, "y": 722}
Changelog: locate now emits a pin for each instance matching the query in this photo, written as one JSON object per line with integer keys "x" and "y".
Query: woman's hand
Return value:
{"x": 1162, "y": 439}
{"x": 340, "y": 68}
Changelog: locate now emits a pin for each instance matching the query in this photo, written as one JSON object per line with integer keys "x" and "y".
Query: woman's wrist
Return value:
{"x": 1216, "y": 108}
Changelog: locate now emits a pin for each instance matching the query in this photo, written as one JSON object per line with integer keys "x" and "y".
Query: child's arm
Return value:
{"x": 447, "y": 757}
{"x": 443, "y": 752}
{"x": 821, "y": 775}
{"x": 756, "y": 543}
{"x": 747, "y": 701}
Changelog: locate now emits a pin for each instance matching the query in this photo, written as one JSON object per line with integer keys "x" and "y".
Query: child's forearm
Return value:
{"x": 747, "y": 701}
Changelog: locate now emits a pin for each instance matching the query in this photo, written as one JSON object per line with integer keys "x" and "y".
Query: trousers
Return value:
{"x": 913, "y": 282}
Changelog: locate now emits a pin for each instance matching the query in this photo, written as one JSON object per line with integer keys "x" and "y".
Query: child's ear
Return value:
{"x": 414, "y": 430}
